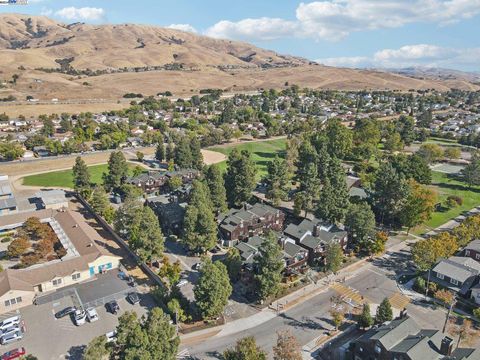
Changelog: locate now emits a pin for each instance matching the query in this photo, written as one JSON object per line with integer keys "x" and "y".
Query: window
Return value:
{"x": 13, "y": 301}
{"x": 440, "y": 276}
{"x": 56, "y": 282}
{"x": 76, "y": 276}
{"x": 454, "y": 282}
{"x": 467, "y": 252}
{"x": 378, "y": 349}
{"x": 477, "y": 256}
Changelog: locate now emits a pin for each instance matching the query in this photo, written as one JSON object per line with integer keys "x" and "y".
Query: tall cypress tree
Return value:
{"x": 277, "y": 180}
{"x": 117, "y": 171}
{"x": 183, "y": 154}
{"x": 160, "y": 152}
{"x": 216, "y": 184}
{"x": 240, "y": 177}
{"x": 196, "y": 153}
{"x": 81, "y": 175}
{"x": 170, "y": 152}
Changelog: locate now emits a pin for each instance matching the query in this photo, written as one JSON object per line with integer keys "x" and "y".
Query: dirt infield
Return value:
{"x": 212, "y": 157}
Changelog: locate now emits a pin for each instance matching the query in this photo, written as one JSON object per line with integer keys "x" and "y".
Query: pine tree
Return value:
{"x": 160, "y": 152}
{"x": 170, "y": 152}
{"x": 384, "y": 312}
{"x": 240, "y": 178}
{"x": 117, "y": 171}
{"x": 81, "y": 175}
{"x": 365, "y": 319}
{"x": 269, "y": 267}
{"x": 183, "y": 154}
{"x": 216, "y": 186}
{"x": 200, "y": 228}
{"x": 277, "y": 181}
{"x": 101, "y": 205}
{"x": 333, "y": 257}
{"x": 196, "y": 154}
{"x": 360, "y": 222}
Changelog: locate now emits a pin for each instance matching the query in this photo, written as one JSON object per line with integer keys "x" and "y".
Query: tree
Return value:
{"x": 334, "y": 194}
{"x": 430, "y": 152}
{"x": 139, "y": 225}
{"x": 365, "y": 319}
{"x": 269, "y": 267}
{"x": 333, "y": 257}
{"x": 245, "y": 349}
{"x": 445, "y": 296}
{"x": 277, "y": 181}
{"x": 183, "y": 154}
{"x": 151, "y": 338}
{"x": 213, "y": 289}
{"x": 452, "y": 152}
{"x": 97, "y": 349}
{"x": 175, "y": 182}
{"x": 309, "y": 191}
{"x": 388, "y": 194}
{"x": 419, "y": 205}
{"x": 170, "y": 152}
{"x": 81, "y": 175}
{"x": 170, "y": 271}
{"x": 360, "y": 222}
{"x": 176, "y": 311}
{"x": 393, "y": 142}
{"x": 18, "y": 247}
{"x": 140, "y": 156}
{"x": 233, "y": 262}
{"x": 160, "y": 152}
{"x": 427, "y": 252}
{"x": 466, "y": 332}
{"x": 216, "y": 185}
{"x": 196, "y": 154}
{"x": 287, "y": 347}
{"x": 240, "y": 178}
{"x": 200, "y": 228}
{"x": 471, "y": 172}
{"x": 384, "y": 312}
{"x": 117, "y": 171}
{"x": 340, "y": 139}
{"x": 101, "y": 204}
{"x": 337, "y": 317}
{"x": 11, "y": 151}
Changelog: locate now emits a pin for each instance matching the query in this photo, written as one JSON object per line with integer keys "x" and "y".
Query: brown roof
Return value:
{"x": 20, "y": 217}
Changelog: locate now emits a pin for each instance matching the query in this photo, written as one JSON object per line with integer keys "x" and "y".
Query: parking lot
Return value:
{"x": 49, "y": 338}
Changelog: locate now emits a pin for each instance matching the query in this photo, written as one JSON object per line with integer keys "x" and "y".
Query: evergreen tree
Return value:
{"x": 340, "y": 139}
{"x": 200, "y": 228}
{"x": 81, "y": 175}
{"x": 384, "y": 312}
{"x": 213, "y": 289}
{"x": 277, "y": 181}
{"x": 117, "y": 171}
{"x": 233, "y": 262}
{"x": 333, "y": 257}
{"x": 216, "y": 185}
{"x": 269, "y": 266}
{"x": 360, "y": 222}
{"x": 309, "y": 191}
{"x": 183, "y": 154}
{"x": 170, "y": 152}
{"x": 240, "y": 178}
{"x": 307, "y": 156}
{"x": 365, "y": 319}
{"x": 160, "y": 152}
{"x": 97, "y": 349}
{"x": 101, "y": 204}
{"x": 196, "y": 154}
{"x": 334, "y": 198}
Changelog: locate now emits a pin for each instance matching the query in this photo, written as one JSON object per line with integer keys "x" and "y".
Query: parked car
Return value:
{"x": 111, "y": 336}
{"x": 11, "y": 321}
{"x": 7, "y": 339}
{"x": 11, "y": 329}
{"x": 182, "y": 283}
{"x": 131, "y": 281}
{"x": 79, "y": 317}
{"x": 133, "y": 298}
{"x": 92, "y": 315}
{"x": 197, "y": 266}
{"x": 112, "y": 307}
{"x": 13, "y": 354}
{"x": 67, "y": 311}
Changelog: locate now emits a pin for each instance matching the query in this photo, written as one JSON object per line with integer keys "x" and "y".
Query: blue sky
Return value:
{"x": 353, "y": 33}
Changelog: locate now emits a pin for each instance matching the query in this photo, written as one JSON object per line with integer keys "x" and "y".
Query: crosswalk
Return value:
{"x": 399, "y": 301}
{"x": 184, "y": 354}
{"x": 349, "y": 294}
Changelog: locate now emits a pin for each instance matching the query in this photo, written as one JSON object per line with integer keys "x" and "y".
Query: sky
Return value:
{"x": 347, "y": 33}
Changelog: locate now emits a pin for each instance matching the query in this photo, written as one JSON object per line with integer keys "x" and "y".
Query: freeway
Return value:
{"x": 308, "y": 320}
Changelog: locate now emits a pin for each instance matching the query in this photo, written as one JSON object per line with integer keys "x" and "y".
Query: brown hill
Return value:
{"x": 99, "y": 61}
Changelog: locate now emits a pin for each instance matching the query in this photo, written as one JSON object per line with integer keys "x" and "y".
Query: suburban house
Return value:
{"x": 294, "y": 256}
{"x": 456, "y": 273}
{"x": 170, "y": 212}
{"x": 84, "y": 258}
{"x": 403, "y": 339}
{"x": 8, "y": 203}
{"x": 156, "y": 181}
{"x": 249, "y": 221}
{"x": 315, "y": 236}
{"x": 473, "y": 250}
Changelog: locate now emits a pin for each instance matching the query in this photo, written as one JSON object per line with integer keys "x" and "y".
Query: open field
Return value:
{"x": 64, "y": 178}
{"x": 447, "y": 185}
{"x": 262, "y": 152}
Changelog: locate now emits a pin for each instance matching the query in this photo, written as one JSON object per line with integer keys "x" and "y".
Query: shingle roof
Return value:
{"x": 474, "y": 245}
{"x": 458, "y": 268}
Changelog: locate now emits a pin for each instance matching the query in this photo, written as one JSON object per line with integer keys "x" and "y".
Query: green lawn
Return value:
{"x": 64, "y": 178}
{"x": 447, "y": 185}
{"x": 262, "y": 152}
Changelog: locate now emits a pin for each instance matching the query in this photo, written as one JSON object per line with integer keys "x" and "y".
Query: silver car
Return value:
{"x": 7, "y": 339}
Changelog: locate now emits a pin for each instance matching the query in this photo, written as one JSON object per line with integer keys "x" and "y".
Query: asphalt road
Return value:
{"x": 309, "y": 320}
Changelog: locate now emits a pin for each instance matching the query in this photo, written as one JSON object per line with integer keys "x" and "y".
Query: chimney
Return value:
{"x": 403, "y": 313}
{"x": 316, "y": 230}
{"x": 447, "y": 346}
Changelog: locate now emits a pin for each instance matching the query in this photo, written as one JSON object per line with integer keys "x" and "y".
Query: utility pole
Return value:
{"x": 428, "y": 283}
{"x": 448, "y": 314}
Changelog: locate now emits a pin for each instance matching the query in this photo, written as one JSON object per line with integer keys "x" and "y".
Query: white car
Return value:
{"x": 92, "y": 315}
{"x": 80, "y": 317}
{"x": 182, "y": 283}
{"x": 11, "y": 321}
{"x": 111, "y": 336}
{"x": 9, "y": 338}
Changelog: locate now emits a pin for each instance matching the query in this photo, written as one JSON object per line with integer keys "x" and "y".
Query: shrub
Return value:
{"x": 6, "y": 239}
{"x": 30, "y": 259}
{"x": 419, "y": 284}
{"x": 455, "y": 198}
{"x": 18, "y": 247}
{"x": 476, "y": 313}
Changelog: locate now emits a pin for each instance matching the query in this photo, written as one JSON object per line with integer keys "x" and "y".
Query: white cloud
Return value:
{"x": 336, "y": 19}
{"x": 262, "y": 29}
{"x": 412, "y": 55}
{"x": 84, "y": 13}
{"x": 183, "y": 27}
